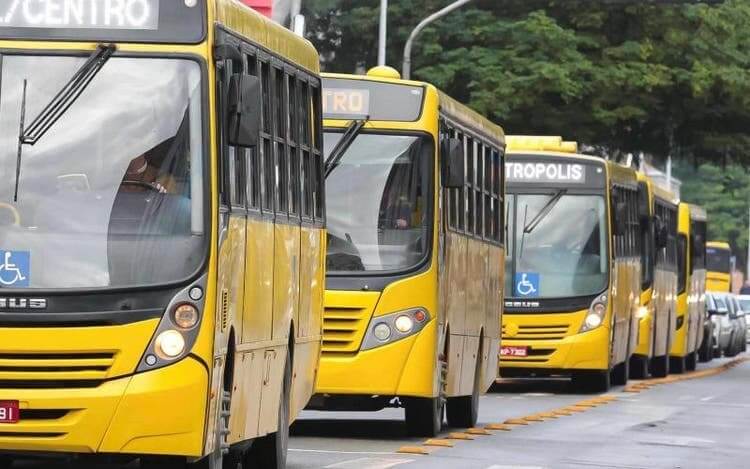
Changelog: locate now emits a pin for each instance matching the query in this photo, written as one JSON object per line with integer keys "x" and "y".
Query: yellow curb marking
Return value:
{"x": 478, "y": 431}
{"x": 413, "y": 450}
{"x": 499, "y": 426}
{"x": 516, "y": 422}
{"x": 439, "y": 442}
{"x": 459, "y": 436}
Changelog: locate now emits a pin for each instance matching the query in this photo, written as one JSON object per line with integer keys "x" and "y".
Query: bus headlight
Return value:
{"x": 597, "y": 313}
{"x": 170, "y": 344}
{"x": 178, "y": 329}
{"x": 641, "y": 312}
{"x": 393, "y": 327}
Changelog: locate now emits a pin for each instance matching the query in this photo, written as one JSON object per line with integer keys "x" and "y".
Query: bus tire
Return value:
{"x": 677, "y": 365}
{"x": 592, "y": 381}
{"x": 691, "y": 361}
{"x": 660, "y": 366}
{"x": 463, "y": 411}
{"x": 620, "y": 373}
{"x": 269, "y": 452}
{"x": 638, "y": 367}
{"x": 424, "y": 416}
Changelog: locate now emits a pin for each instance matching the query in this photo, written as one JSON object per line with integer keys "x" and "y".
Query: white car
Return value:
{"x": 718, "y": 309}
{"x": 745, "y": 305}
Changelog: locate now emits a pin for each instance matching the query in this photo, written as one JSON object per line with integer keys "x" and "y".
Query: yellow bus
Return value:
{"x": 573, "y": 266}
{"x": 718, "y": 266}
{"x": 163, "y": 251}
{"x": 656, "y": 315}
{"x": 414, "y": 191}
{"x": 691, "y": 297}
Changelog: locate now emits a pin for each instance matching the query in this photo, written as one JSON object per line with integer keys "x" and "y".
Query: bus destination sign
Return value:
{"x": 570, "y": 173}
{"x": 145, "y": 21}
{"x": 81, "y": 14}
{"x": 344, "y": 101}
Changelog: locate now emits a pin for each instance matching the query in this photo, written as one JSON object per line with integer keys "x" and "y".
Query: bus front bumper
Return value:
{"x": 403, "y": 368}
{"x": 161, "y": 412}
{"x": 577, "y": 352}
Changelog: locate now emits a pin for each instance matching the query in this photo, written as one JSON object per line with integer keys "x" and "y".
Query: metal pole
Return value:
{"x": 747, "y": 272}
{"x": 423, "y": 24}
{"x": 383, "y": 33}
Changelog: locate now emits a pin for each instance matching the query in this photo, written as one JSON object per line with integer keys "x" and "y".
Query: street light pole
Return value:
{"x": 383, "y": 33}
{"x": 423, "y": 24}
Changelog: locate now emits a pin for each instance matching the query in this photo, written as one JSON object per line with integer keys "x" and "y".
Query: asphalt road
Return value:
{"x": 697, "y": 423}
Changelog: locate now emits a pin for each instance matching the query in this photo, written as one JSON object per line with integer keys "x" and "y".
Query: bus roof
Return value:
{"x": 243, "y": 20}
{"x": 718, "y": 245}
{"x": 449, "y": 106}
{"x": 697, "y": 212}
{"x": 657, "y": 191}
{"x": 536, "y": 143}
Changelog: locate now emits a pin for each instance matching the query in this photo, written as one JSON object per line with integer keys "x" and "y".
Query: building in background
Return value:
{"x": 282, "y": 11}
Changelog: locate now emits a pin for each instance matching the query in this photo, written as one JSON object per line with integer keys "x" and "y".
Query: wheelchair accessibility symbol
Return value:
{"x": 14, "y": 268}
{"x": 527, "y": 284}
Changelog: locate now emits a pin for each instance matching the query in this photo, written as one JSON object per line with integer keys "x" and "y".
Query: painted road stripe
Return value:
{"x": 369, "y": 463}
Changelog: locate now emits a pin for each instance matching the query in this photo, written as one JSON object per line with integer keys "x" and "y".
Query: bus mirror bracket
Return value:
{"x": 244, "y": 111}
{"x": 453, "y": 163}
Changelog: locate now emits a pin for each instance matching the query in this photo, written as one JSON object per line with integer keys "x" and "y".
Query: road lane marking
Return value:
{"x": 369, "y": 463}
{"x": 708, "y": 398}
{"x": 513, "y": 467}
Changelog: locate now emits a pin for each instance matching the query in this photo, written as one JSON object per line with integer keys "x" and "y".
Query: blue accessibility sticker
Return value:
{"x": 527, "y": 284}
{"x": 15, "y": 269}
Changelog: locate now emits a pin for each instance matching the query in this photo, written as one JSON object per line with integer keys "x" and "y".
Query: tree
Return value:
{"x": 665, "y": 80}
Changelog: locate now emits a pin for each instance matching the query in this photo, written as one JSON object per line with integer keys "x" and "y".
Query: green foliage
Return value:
{"x": 724, "y": 192}
{"x": 655, "y": 78}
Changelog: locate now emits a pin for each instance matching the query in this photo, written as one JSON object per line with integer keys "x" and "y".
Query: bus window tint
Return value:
{"x": 385, "y": 227}
{"x": 717, "y": 260}
{"x": 566, "y": 247}
{"x": 112, "y": 195}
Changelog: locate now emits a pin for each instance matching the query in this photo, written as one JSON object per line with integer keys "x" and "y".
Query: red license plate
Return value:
{"x": 9, "y": 412}
{"x": 507, "y": 351}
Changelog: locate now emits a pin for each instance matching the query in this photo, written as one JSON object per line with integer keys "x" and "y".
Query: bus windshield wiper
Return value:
{"x": 351, "y": 132}
{"x": 60, "y": 104}
{"x": 551, "y": 203}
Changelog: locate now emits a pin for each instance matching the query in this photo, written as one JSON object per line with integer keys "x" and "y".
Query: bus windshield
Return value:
{"x": 378, "y": 205}
{"x": 565, "y": 254}
{"x": 718, "y": 260}
{"x": 112, "y": 195}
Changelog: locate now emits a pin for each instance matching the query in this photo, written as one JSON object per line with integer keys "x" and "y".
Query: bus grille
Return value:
{"x": 527, "y": 333}
{"x": 343, "y": 330}
{"x": 47, "y": 370}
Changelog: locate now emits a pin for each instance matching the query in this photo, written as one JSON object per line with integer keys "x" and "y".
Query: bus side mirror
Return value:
{"x": 453, "y": 163}
{"x": 243, "y": 111}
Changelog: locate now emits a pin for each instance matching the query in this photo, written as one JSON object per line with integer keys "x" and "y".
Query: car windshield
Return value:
{"x": 378, "y": 204}
{"x": 112, "y": 195}
{"x": 558, "y": 246}
{"x": 718, "y": 260}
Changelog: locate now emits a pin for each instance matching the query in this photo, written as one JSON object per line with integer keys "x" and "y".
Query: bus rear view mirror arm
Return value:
{"x": 244, "y": 111}
{"x": 453, "y": 163}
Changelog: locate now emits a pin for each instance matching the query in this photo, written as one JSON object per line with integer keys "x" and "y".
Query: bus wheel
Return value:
{"x": 620, "y": 373}
{"x": 677, "y": 365}
{"x": 269, "y": 452}
{"x": 638, "y": 367}
{"x": 424, "y": 416}
{"x": 660, "y": 366}
{"x": 592, "y": 381}
{"x": 691, "y": 361}
{"x": 463, "y": 411}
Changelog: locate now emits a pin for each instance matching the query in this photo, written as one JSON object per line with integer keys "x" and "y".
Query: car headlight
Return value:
{"x": 178, "y": 330}
{"x": 597, "y": 313}
{"x": 393, "y": 327}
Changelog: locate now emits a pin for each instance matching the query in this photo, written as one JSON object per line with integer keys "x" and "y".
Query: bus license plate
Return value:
{"x": 507, "y": 351}
{"x": 9, "y": 412}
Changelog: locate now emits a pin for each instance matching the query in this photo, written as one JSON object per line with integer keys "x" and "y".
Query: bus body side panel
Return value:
{"x": 647, "y": 324}
{"x": 454, "y": 287}
{"x": 681, "y": 342}
{"x": 493, "y": 315}
{"x": 621, "y": 300}
{"x": 665, "y": 294}
{"x": 311, "y": 290}
{"x": 697, "y": 308}
{"x": 476, "y": 274}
